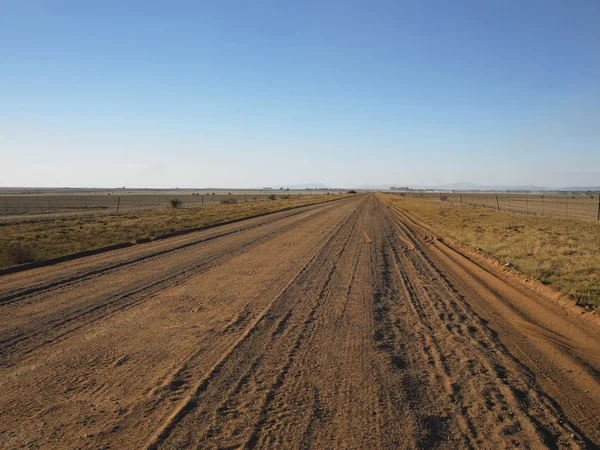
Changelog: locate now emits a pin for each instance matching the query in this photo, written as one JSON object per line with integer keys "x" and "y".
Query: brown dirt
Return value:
{"x": 341, "y": 325}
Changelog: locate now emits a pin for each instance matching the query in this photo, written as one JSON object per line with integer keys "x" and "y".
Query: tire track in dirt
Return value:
{"x": 95, "y": 376}
{"x": 256, "y": 366}
{"x": 521, "y": 376}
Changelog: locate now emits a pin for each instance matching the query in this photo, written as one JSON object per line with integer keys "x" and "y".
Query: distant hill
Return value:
{"x": 477, "y": 187}
{"x": 467, "y": 186}
{"x": 302, "y": 186}
{"x": 376, "y": 186}
{"x": 580, "y": 188}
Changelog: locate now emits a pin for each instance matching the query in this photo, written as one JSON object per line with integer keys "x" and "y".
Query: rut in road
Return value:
{"x": 126, "y": 366}
{"x": 370, "y": 347}
{"x": 346, "y": 325}
{"x": 559, "y": 349}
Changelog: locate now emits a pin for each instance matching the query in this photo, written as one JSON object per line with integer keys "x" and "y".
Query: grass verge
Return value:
{"x": 564, "y": 253}
{"x": 36, "y": 240}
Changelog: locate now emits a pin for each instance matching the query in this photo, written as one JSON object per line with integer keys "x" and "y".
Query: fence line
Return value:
{"x": 36, "y": 206}
{"x": 573, "y": 206}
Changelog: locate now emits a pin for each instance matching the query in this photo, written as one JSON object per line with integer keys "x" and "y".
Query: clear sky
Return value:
{"x": 252, "y": 93}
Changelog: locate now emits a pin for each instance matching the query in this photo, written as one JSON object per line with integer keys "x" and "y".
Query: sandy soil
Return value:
{"x": 341, "y": 325}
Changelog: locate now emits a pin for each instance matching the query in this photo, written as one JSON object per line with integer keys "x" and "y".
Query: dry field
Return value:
{"x": 572, "y": 205}
{"x": 21, "y": 204}
{"x": 559, "y": 252}
{"x": 343, "y": 325}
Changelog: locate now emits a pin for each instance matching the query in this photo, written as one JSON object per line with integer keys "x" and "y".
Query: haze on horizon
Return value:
{"x": 245, "y": 94}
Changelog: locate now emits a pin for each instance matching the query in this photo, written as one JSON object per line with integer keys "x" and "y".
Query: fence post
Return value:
{"x": 497, "y": 202}
{"x": 598, "y": 207}
{"x": 245, "y": 199}
{"x": 202, "y": 199}
{"x": 118, "y": 203}
{"x": 6, "y": 210}
{"x": 527, "y": 204}
{"x": 542, "y": 205}
{"x": 461, "y": 198}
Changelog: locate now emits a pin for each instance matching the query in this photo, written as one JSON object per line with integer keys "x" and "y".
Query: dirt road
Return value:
{"x": 341, "y": 325}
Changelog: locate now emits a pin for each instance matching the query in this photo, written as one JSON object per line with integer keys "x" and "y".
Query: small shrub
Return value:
{"x": 351, "y": 192}
{"x": 229, "y": 201}
{"x": 444, "y": 198}
{"x": 175, "y": 203}
{"x": 19, "y": 253}
{"x": 546, "y": 276}
{"x": 272, "y": 197}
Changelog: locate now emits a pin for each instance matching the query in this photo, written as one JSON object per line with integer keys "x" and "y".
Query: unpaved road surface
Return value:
{"x": 340, "y": 325}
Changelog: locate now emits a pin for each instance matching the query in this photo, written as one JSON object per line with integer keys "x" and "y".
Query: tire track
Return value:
{"x": 269, "y": 330}
{"x": 494, "y": 375}
{"x": 88, "y": 375}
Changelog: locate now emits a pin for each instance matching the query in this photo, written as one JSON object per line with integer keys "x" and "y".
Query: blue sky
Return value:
{"x": 240, "y": 94}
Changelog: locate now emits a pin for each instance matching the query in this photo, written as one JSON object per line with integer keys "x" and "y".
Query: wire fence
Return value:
{"x": 572, "y": 206}
{"x": 21, "y": 207}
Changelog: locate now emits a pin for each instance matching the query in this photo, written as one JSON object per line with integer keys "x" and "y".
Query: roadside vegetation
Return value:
{"x": 564, "y": 253}
{"x": 35, "y": 240}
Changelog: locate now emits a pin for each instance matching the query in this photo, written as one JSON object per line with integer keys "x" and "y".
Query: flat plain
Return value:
{"x": 346, "y": 324}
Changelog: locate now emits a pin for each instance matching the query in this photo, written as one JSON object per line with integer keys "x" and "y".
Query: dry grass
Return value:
{"x": 579, "y": 205}
{"x": 49, "y": 238}
{"x": 561, "y": 252}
